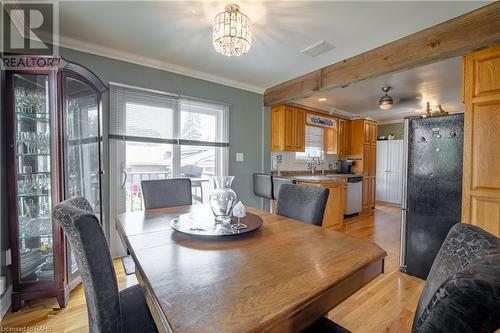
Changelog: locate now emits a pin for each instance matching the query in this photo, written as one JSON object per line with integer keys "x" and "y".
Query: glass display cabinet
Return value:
{"x": 54, "y": 153}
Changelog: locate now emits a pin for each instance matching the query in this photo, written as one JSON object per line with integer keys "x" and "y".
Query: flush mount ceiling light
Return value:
{"x": 385, "y": 102}
{"x": 322, "y": 99}
{"x": 232, "y": 32}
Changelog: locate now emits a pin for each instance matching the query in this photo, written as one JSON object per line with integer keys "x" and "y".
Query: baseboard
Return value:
{"x": 5, "y": 301}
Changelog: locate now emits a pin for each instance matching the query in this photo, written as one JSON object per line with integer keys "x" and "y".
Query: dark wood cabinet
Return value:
{"x": 54, "y": 152}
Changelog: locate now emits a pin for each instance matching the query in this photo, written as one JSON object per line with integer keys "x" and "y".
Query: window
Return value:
{"x": 163, "y": 136}
{"x": 314, "y": 146}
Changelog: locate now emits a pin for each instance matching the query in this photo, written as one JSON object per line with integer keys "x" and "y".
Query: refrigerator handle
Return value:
{"x": 406, "y": 147}
{"x": 402, "y": 249}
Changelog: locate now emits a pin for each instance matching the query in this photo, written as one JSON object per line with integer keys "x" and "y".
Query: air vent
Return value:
{"x": 317, "y": 49}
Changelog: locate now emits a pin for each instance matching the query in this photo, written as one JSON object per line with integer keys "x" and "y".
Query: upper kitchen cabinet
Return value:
{"x": 287, "y": 128}
{"x": 344, "y": 136}
{"x": 331, "y": 141}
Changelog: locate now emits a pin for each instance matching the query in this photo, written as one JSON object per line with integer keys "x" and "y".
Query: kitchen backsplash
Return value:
{"x": 290, "y": 163}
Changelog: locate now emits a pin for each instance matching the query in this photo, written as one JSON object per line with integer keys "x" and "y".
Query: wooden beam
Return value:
{"x": 461, "y": 35}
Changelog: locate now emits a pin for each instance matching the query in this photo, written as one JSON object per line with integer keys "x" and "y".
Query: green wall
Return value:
{"x": 387, "y": 129}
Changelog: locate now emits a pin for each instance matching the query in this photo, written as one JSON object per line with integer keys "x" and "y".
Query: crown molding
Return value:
{"x": 112, "y": 53}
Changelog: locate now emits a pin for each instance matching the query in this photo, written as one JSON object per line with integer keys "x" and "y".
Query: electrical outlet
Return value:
{"x": 239, "y": 157}
{"x": 8, "y": 258}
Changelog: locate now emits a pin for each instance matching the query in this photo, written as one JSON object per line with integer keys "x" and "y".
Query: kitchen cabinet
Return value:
{"x": 287, "y": 128}
{"x": 389, "y": 171}
{"x": 331, "y": 141}
{"x": 481, "y": 179}
{"x": 344, "y": 136}
{"x": 335, "y": 206}
{"x": 363, "y": 145}
{"x": 54, "y": 149}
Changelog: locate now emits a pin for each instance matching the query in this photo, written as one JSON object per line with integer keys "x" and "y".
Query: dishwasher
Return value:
{"x": 354, "y": 192}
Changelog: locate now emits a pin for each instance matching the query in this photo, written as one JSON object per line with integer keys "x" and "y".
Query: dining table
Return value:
{"x": 278, "y": 278}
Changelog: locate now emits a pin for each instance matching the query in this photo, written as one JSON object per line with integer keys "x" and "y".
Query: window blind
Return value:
{"x": 147, "y": 116}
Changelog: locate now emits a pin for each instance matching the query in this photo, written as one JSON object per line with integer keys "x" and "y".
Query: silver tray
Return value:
{"x": 202, "y": 225}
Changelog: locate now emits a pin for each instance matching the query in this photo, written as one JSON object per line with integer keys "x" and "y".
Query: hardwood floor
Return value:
{"x": 386, "y": 304}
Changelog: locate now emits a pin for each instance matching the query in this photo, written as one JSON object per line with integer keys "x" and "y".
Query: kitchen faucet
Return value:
{"x": 315, "y": 162}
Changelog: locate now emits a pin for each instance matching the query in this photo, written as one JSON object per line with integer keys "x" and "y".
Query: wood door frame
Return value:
{"x": 459, "y": 36}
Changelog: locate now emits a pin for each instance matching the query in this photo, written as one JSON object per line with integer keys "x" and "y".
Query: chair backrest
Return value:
{"x": 462, "y": 291}
{"x": 87, "y": 240}
{"x": 162, "y": 193}
{"x": 304, "y": 203}
{"x": 263, "y": 185}
{"x": 192, "y": 171}
{"x": 277, "y": 182}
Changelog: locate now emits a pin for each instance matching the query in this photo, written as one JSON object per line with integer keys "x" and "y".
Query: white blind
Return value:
{"x": 146, "y": 116}
{"x": 313, "y": 143}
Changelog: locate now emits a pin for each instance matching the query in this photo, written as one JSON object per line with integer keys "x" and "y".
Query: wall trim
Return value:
{"x": 5, "y": 301}
{"x": 112, "y": 53}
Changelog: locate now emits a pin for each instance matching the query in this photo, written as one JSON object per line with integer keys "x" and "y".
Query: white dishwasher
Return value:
{"x": 354, "y": 192}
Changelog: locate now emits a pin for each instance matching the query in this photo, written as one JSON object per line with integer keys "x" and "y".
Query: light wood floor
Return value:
{"x": 386, "y": 304}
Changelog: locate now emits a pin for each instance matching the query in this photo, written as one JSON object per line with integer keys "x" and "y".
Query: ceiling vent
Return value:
{"x": 317, "y": 49}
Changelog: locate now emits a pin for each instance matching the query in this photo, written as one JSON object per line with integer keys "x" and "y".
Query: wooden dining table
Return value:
{"x": 279, "y": 278}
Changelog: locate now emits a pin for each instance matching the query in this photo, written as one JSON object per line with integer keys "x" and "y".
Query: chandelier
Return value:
{"x": 232, "y": 32}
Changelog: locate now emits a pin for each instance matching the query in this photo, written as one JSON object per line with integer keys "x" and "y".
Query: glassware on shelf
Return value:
{"x": 223, "y": 199}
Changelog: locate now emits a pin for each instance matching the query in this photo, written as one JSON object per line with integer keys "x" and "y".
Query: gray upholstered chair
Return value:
{"x": 162, "y": 193}
{"x": 263, "y": 185}
{"x": 304, "y": 203}
{"x": 462, "y": 291}
{"x": 277, "y": 182}
{"x": 108, "y": 310}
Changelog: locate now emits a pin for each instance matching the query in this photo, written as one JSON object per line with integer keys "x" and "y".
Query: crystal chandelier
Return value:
{"x": 232, "y": 32}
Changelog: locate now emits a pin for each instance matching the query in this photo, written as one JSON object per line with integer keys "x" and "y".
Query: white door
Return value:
{"x": 394, "y": 171}
{"x": 381, "y": 188}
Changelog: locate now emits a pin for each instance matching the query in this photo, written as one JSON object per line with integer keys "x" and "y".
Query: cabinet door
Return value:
{"x": 277, "y": 129}
{"x": 366, "y": 132}
{"x": 289, "y": 129}
{"x": 395, "y": 171}
{"x": 347, "y": 137}
{"x": 382, "y": 170}
{"x": 331, "y": 141}
{"x": 341, "y": 136}
{"x": 366, "y": 191}
{"x": 481, "y": 179}
{"x": 373, "y": 133}
{"x": 300, "y": 130}
{"x": 33, "y": 185}
{"x": 371, "y": 194}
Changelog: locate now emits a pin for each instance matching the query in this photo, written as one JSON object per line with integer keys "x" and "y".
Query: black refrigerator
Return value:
{"x": 432, "y": 188}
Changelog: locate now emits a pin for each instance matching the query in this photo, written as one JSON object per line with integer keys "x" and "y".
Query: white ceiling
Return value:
{"x": 176, "y": 36}
{"x": 437, "y": 83}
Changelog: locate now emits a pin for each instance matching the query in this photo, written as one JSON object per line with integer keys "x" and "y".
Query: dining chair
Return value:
{"x": 263, "y": 185}
{"x": 163, "y": 193}
{"x": 108, "y": 309}
{"x": 277, "y": 182}
{"x": 304, "y": 203}
{"x": 194, "y": 171}
{"x": 462, "y": 291}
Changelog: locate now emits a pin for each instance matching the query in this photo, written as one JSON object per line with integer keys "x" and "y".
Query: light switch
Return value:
{"x": 239, "y": 157}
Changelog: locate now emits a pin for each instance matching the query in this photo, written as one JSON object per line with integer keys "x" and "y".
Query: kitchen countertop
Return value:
{"x": 319, "y": 178}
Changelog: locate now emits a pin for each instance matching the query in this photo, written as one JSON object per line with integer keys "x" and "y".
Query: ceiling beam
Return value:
{"x": 461, "y": 35}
